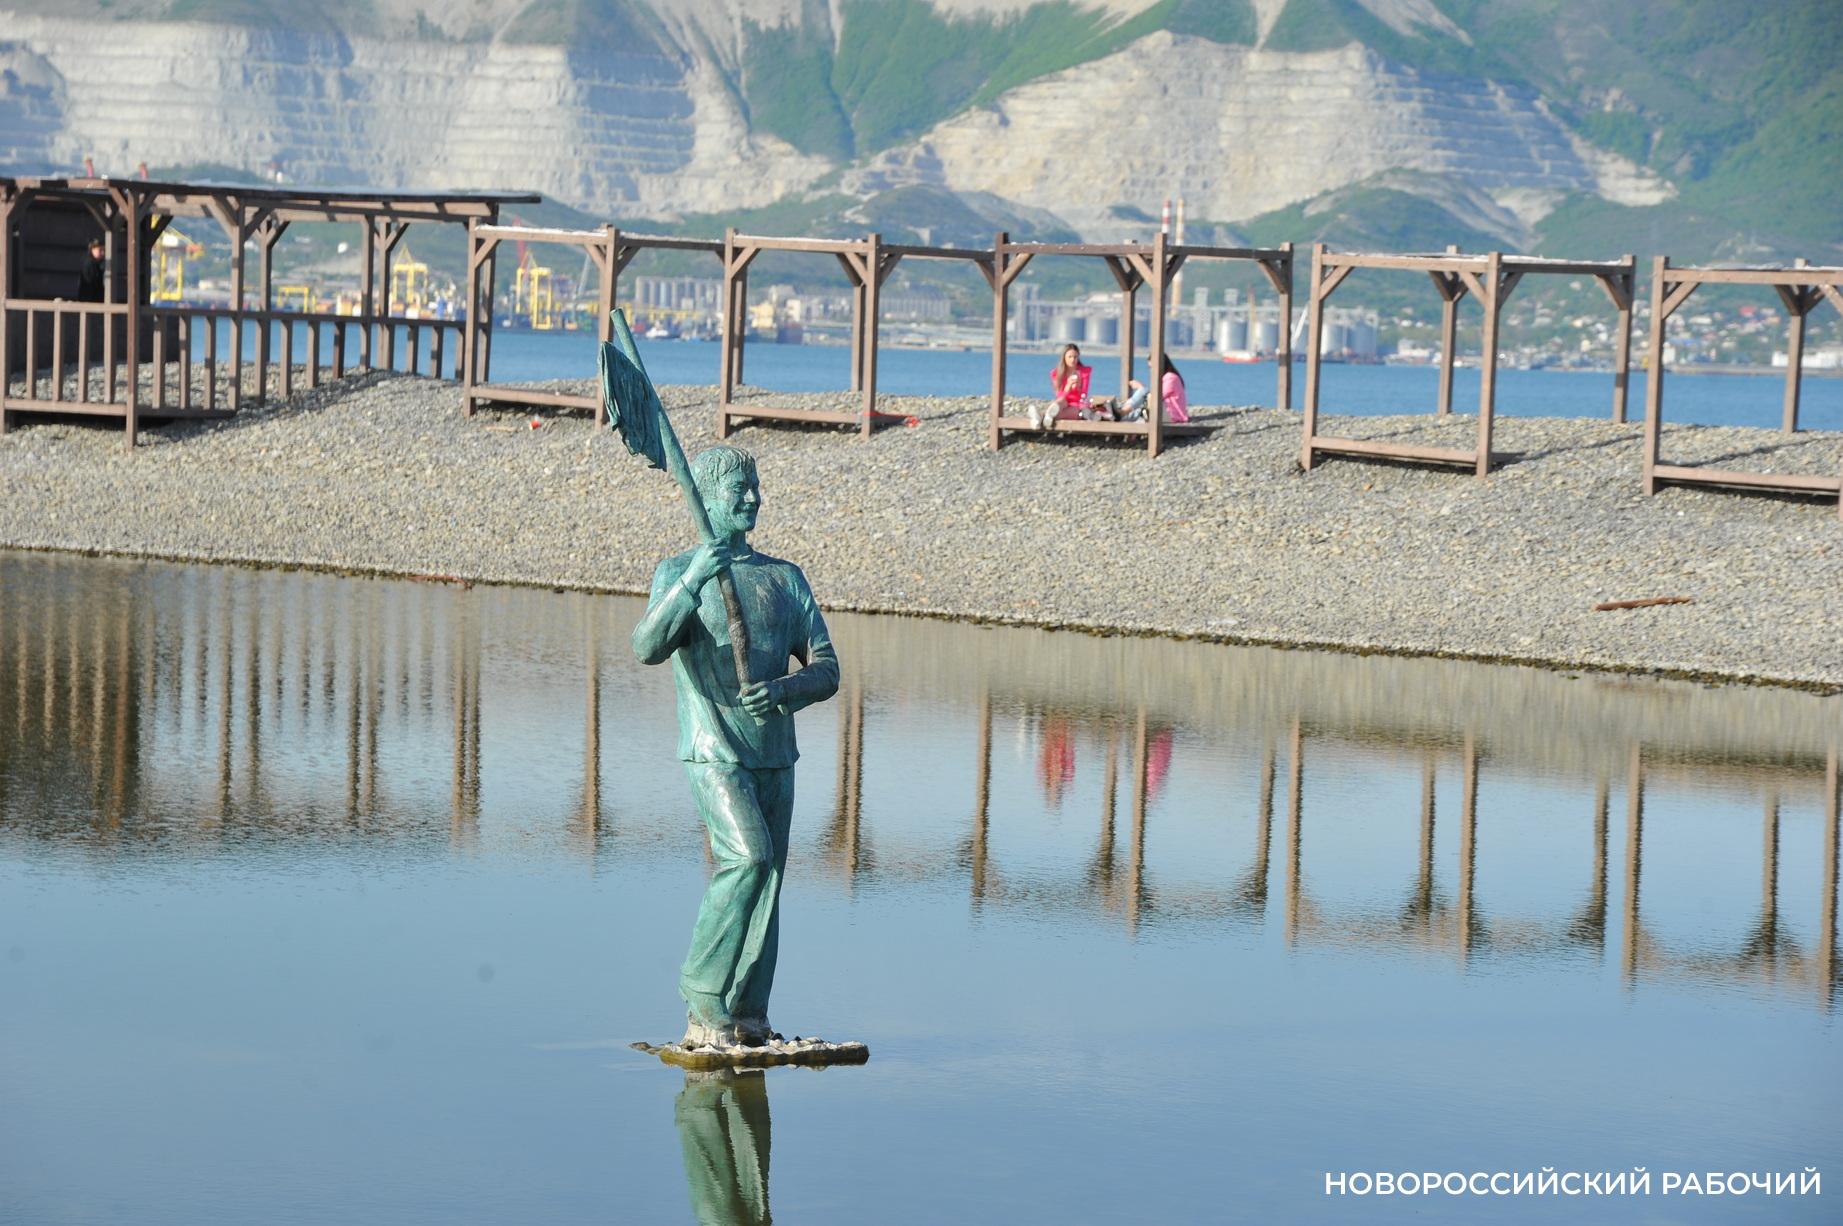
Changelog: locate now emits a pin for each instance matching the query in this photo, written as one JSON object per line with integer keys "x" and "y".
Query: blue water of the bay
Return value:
{"x": 334, "y": 900}
{"x": 1756, "y": 399}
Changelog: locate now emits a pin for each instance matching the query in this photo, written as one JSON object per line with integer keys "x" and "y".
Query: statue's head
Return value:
{"x": 726, "y": 481}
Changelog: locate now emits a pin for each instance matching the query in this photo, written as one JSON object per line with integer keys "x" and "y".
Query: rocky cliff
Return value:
{"x": 1092, "y": 110}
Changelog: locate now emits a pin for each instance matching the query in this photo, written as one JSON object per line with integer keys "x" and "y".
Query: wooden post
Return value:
{"x": 489, "y": 286}
{"x": 58, "y": 322}
{"x": 873, "y": 294}
{"x": 268, "y": 232}
{"x": 1001, "y": 298}
{"x": 57, "y": 351}
{"x": 1622, "y": 290}
{"x": 185, "y": 362}
{"x": 130, "y": 204}
{"x": 607, "y": 257}
{"x": 856, "y": 276}
{"x": 83, "y": 357}
{"x": 1155, "y": 355}
{"x": 741, "y": 319}
{"x": 726, "y": 376}
{"x": 1283, "y": 354}
{"x": 1654, "y": 373}
{"x": 393, "y": 235}
{"x": 238, "y": 231}
{"x": 1452, "y": 289}
{"x": 1315, "y": 312}
{"x": 470, "y": 322}
{"x": 1495, "y": 290}
{"x": 1798, "y": 303}
{"x": 7, "y": 197}
{"x": 365, "y": 299}
{"x": 211, "y": 363}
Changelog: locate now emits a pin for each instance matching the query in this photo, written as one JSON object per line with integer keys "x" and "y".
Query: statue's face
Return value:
{"x": 734, "y": 503}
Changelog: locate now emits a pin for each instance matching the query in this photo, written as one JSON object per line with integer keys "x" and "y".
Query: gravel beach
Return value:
{"x": 1222, "y": 537}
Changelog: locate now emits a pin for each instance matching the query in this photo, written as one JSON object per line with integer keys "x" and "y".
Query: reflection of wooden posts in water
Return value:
{"x": 252, "y": 711}
{"x": 1102, "y": 876}
{"x": 1254, "y": 891}
{"x": 1768, "y": 940}
{"x": 228, "y": 637}
{"x": 1135, "y": 874}
{"x": 1468, "y": 845}
{"x": 465, "y": 824}
{"x": 589, "y": 816}
{"x": 1423, "y": 887}
{"x": 846, "y": 814}
{"x": 1591, "y": 925}
{"x": 982, "y": 797}
{"x": 1634, "y": 837}
{"x": 1827, "y": 919}
{"x": 354, "y": 733}
{"x": 1293, "y": 802}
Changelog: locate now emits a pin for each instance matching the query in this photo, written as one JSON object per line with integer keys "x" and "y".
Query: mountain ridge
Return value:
{"x": 1519, "y": 118}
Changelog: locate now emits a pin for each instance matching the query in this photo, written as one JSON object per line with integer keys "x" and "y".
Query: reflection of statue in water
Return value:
{"x": 722, "y": 1118}
{"x": 736, "y": 740}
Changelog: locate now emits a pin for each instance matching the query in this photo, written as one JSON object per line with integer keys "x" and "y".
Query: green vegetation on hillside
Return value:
{"x": 1367, "y": 219}
{"x": 787, "y": 87}
{"x": 902, "y": 65}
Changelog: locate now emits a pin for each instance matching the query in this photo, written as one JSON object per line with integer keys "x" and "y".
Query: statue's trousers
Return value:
{"x": 730, "y": 969}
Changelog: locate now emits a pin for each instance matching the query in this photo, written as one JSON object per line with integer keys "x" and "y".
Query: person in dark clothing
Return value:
{"x": 95, "y": 271}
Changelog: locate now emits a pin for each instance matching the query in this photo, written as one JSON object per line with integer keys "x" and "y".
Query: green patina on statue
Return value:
{"x": 730, "y": 642}
{"x": 736, "y": 738}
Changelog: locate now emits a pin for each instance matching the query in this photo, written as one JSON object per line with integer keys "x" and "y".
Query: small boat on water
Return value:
{"x": 1243, "y": 357}
{"x": 658, "y": 332}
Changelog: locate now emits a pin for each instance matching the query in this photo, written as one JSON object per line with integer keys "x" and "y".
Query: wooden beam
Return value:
{"x": 1676, "y": 294}
{"x": 1333, "y": 277}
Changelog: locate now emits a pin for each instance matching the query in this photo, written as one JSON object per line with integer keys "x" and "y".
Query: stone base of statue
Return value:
{"x": 814, "y": 1052}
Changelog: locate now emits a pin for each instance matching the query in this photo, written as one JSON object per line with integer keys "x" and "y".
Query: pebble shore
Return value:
{"x": 1222, "y": 537}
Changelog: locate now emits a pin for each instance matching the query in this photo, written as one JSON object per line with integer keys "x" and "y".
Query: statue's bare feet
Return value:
{"x": 704, "y": 1034}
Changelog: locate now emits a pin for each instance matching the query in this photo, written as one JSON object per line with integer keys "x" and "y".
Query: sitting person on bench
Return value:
{"x": 1170, "y": 390}
{"x": 1070, "y": 381}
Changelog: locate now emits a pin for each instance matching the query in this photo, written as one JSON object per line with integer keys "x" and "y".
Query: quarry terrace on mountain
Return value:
{"x": 1526, "y": 124}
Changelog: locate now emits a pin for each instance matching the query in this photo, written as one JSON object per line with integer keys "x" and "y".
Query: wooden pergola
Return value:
{"x": 1800, "y": 287}
{"x": 131, "y": 215}
{"x": 867, "y": 263}
{"x": 610, "y": 250}
{"x": 1489, "y": 278}
{"x": 1134, "y": 266}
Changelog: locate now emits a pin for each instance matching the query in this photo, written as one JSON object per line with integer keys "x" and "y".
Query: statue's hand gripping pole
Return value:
{"x": 635, "y": 412}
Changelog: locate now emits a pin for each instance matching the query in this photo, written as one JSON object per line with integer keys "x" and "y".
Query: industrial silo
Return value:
{"x": 1104, "y": 329}
{"x": 1363, "y": 338}
{"x": 1068, "y": 329}
{"x": 1266, "y": 336}
{"x": 1231, "y": 335}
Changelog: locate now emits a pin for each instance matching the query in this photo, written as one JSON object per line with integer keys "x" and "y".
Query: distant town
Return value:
{"x": 1568, "y": 328}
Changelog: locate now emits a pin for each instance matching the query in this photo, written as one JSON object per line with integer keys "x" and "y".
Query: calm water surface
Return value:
{"x": 330, "y": 900}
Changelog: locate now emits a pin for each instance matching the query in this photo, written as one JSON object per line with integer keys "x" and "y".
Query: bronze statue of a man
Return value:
{"x": 737, "y": 742}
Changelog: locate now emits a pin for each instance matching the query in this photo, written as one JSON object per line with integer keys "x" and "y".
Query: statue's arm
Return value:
{"x": 669, "y": 610}
{"x": 817, "y": 677}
